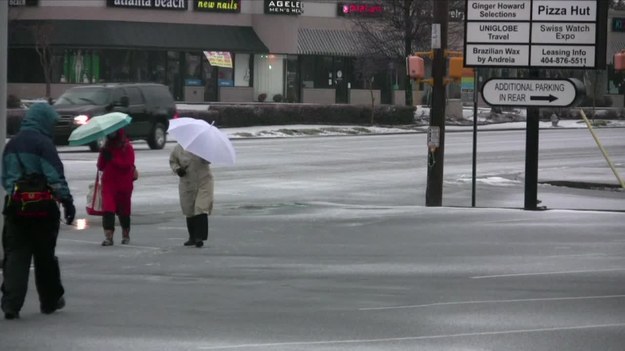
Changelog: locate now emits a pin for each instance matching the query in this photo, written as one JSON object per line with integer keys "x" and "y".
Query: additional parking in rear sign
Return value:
{"x": 532, "y": 92}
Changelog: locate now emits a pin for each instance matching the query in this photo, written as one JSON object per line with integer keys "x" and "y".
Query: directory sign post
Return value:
{"x": 535, "y": 33}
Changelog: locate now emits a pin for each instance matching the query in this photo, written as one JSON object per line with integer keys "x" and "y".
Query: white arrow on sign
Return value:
{"x": 531, "y": 92}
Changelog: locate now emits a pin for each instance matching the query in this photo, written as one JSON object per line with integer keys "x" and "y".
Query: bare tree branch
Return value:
{"x": 43, "y": 35}
{"x": 404, "y": 26}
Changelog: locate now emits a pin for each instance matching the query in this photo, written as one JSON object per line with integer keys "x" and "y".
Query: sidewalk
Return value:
{"x": 299, "y": 130}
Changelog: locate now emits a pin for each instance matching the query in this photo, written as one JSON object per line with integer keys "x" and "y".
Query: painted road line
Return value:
{"x": 546, "y": 273}
{"x": 456, "y": 303}
{"x": 412, "y": 338}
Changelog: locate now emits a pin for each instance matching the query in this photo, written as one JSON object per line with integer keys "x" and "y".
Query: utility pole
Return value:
{"x": 4, "y": 20}
{"x": 408, "y": 48}
{"x": 434, "y": 190}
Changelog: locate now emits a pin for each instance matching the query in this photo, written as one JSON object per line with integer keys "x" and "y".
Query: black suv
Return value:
{"x": 150, "y": 105}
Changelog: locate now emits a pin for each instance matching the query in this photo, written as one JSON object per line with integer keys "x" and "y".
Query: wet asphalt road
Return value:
{"x": 296, "y": 261}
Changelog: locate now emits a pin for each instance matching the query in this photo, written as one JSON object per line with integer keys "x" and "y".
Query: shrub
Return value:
{"x": 277, "y": 98}
{"x": 13, "y": 101}
{"x": 600, "y": 101}
{"x": 262, "y": 97}
{"x": 611, "y": 114}
{"x": 244, "y": 115}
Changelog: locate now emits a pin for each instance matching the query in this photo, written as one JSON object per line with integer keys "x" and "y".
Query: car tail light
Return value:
{"x": 81, "y": 119}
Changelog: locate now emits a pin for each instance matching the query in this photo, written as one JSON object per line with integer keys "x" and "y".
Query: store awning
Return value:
{"x": 330, "y": 42}
{"x": 143, "y": 35}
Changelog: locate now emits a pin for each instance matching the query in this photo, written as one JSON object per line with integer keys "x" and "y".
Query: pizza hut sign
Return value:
{"x": 358, "y": 9}
{"x": 284, "y": 7}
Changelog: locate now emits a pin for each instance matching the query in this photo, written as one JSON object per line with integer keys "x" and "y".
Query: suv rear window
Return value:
{"x": 84, "y": 96}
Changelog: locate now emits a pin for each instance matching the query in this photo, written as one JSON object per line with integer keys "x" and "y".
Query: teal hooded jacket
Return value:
{"x": 32, "y": 151}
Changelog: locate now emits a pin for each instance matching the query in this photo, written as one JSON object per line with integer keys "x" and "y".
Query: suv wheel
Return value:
{"x": 97, "y": 145}
{"x": 158, "y": 137}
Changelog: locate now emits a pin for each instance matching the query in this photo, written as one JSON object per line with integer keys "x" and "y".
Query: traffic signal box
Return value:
{"x": 415, "y": 65}
{"x": 619, "y": 61}
{"x": 456, "y": 64}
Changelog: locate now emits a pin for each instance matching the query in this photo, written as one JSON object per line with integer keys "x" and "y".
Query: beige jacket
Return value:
{"x": 196, "y": 187}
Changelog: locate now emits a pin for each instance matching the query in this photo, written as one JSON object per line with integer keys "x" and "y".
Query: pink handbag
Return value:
{"x": 94, "y": 197}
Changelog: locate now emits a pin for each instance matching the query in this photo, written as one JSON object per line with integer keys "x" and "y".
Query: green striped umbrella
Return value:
{"x": 99, "y": 127}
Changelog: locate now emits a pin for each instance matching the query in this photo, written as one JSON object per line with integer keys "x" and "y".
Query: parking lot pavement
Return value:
{"x": 322, "y": 276}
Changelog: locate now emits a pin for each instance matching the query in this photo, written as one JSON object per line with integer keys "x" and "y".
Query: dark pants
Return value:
{"x": 108, "y": 221}
{"x": 23, "y": 240}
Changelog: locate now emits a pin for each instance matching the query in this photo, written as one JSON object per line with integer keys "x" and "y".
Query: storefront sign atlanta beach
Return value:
{"x": 152, "y": 4}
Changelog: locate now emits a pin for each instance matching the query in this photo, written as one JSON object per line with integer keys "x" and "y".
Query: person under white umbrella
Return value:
{"x": 196, "y": 192}
{"x": 200, "y": 144}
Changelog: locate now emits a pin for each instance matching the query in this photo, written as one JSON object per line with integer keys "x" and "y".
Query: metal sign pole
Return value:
{"x": 474, "y": 165}
{"x": 531, "y": 154}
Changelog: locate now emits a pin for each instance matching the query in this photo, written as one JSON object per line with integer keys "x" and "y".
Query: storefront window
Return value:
{"x": 139, "y": 66}
{"x": 225, "y": 77}
{"x": 242, "y": 70}
{"x": 292, "y": 79}
{"x": 324, "y": 76}
{"x": 193, "y": 74}
{"x": 269, "y": 76}
{"x": 318, "y": 72}
{"x": 210, "y": 82}
{"x": 23, "y": 66}
{"x": 173, "y": 74}
{"x": 157, "y": 61}
{"x": 77, "y": 66}
{"x": 115, "y": 65}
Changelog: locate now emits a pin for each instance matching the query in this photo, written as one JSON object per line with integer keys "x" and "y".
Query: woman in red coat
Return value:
{"x": 117, "y": 164}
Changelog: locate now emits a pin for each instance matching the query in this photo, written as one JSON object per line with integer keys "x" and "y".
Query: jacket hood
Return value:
{"x": 118, "y": 141}
{"x": 40, "y": 117}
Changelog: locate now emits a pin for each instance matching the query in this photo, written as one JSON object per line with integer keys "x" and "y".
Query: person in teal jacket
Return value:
{"x": 32, "y": 151}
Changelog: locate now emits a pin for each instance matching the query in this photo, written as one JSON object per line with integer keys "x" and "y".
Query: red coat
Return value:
{"x": 117, "y": 174}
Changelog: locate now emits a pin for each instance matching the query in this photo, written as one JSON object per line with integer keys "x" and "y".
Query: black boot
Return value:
{"x": 191, "y": 229}
{"x": 201, "y": 229}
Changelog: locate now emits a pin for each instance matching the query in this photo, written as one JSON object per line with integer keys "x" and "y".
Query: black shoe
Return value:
{"x": 189, "y": 243}
{"x": 11, "y": 315}
{"x": 60, "y": 303}
{"x": 199, "y": 243}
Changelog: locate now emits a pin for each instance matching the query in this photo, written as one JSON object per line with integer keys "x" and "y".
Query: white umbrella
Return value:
{"x": 202, "y": 139}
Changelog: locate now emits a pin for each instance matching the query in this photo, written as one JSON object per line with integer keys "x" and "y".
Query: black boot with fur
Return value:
{"x": 201, "y": 229}
{"x": 191, "y": 229}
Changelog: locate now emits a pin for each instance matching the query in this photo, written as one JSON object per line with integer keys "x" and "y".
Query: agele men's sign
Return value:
{"x": 284, "y": 7}
{"x": 149, "y": 4}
